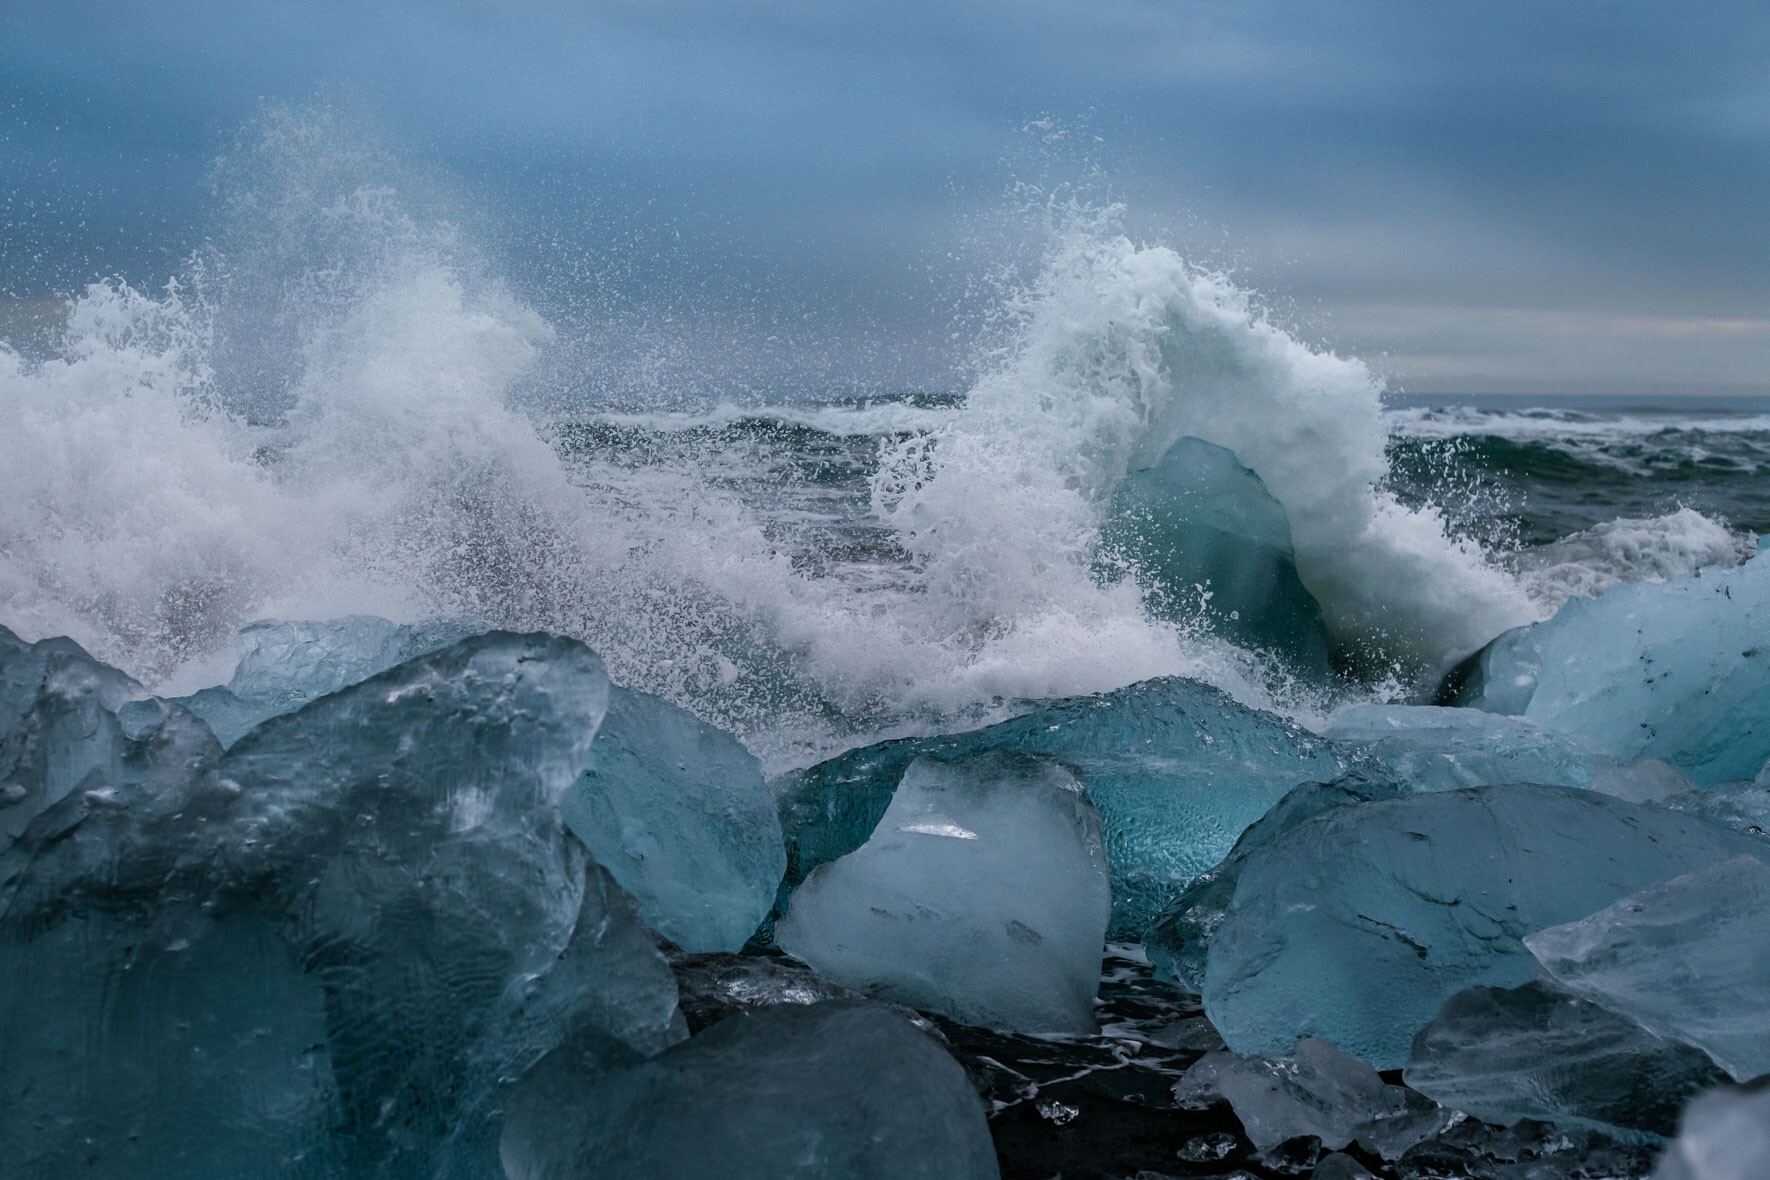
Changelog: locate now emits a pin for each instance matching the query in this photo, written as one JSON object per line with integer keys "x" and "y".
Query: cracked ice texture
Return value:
{"x": 1357, "y": 924}
{"x": 678, "y": 812}
{"x": 1688, "y": 958}
{"x": 1536, "y": 1052}
{"x": 1678, "y": 671}
{"x": 327, "y": 952}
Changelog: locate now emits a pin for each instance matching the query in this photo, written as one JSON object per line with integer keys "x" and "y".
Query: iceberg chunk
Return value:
{"x": 1357, "y": 924}
{"x": 1677, "y": 671}
{"x": 1316, "y": 1091}
{"x": 1536, "y": 1052}
{"x": 678, "y": 812}
{"x": 1725, "y": 1136}
{"x": 1176, "y": 769}
{"x": 1178, "y": 942}
{"x": 372, "y": 909}
{"x": 828, "y": 1089}
{"x": 58, "y": 727}
{"x": 284, "y": 665}
{"x": 1203, "y": 536}
{"x": 1688, "y": 958}
{"x": 1438, "y": 749}
{"x": 983, "y": 893}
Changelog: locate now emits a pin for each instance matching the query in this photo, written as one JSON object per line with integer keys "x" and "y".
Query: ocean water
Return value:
{"x": 342, "y": 408}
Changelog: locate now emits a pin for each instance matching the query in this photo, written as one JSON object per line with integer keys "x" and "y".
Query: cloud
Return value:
{"x": 1605, "y": 160}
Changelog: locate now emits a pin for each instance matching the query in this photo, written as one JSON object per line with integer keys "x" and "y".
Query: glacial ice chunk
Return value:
{"x": 1198, "y": 523}
{"x": 1357, "y": 924}
{"x": 1178, "y": 942}
{"x": 58, "y": 727}
{"x": 1176, "y": 769}
{"x": 1439, "y": 749}
{"x": 1318, "y": 1091}
{"x": 1742, "y": 806}
{"x": 827, "y": 1089}
{"x": 678, "y": 812}
{"x": 1688, "y": 958}
{"x": 1536, "y": 1052}
{"x": 372, "y": 908}
{"x": 285, "y": 664}
{"x": 983, "y": 893}
{"x": 1725, "y": 1136}
{"x": 1677, "y": 671}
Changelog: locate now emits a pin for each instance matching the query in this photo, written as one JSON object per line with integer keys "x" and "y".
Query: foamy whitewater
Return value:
{"x": 333, "y": 413}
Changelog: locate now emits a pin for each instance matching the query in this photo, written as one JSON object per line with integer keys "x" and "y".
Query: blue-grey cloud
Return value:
{"x": 1381, "y": 165}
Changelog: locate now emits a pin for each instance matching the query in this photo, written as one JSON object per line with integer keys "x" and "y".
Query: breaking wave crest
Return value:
{"x": 324, "y": 416}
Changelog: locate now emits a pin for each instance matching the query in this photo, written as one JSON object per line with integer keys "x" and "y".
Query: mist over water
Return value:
{"x": 333, "y": 410}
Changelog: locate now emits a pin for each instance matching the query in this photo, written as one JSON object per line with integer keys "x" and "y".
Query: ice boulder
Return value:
{"x": 1535, "y": 1052}
{"x": 1742, "y": 806}
{"x": 1316, "y": 1091}
{"x": 1357, "y": 924}
{"x": 284, "y": 664}
{"x": 1678, "y": 671}
{"x": 1439, "y": 749}
{"x": 1688, "y": 958}
{"x": 59, "y": 730}
{"x": 366, "y": 917}
{"x": 983, "y": 893}
{"x": 1725, "y": 1136}
{"x": 1176, "y": 769}
{"x": 1204, "y": 538}
{"x": 827, "y": 1089}
{"x": 1178, "y": 942}
{"x": 678, "y": 811}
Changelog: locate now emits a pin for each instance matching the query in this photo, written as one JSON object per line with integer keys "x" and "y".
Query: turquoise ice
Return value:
{"x": 1503, "y": 1055}
{"x": 1437, "y": 749}
{"x": 1357, "y": 924}
{"x": 983, "y": 893}
{"x": 366, "y": 917}
{"x": 678, "y": 812}
{"x": 1205, "y": 539}
{"x": 58, "y": 727}
{"x": 1678, "y": 671}
{"x": 1180, "y": 939}
{"x": 284, "y": 664}
{"x": 1176, "y": 769}
{"x": 1687, "y": 958}
{"x": 836, "y": 1088}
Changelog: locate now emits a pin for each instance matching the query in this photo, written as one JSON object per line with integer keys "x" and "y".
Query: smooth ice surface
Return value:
{"x": 1678, "y": 671}
{"x": 1317, "y": 1091}
{"x": 678, "y": 812}
{"x": 1357, "y": 924}
{"x": 1440, "y": 749}
{"x": 285, "y": 664}
{"x": 827, "y": 1089}
{"x": 1176, "y": 769}
{"x": 366, "y": 916}
{"x": 1725, "y": 1136}
{"x": 1536, "y": 1052}
{"x": 1688, "y": 958}
{"x": 983, "y": 893}
{"x": 1179, "y": 941}
{"x": 58, "y": 727}
{"x": 1744, "y": 807}
{"x": 1206, "y": 540}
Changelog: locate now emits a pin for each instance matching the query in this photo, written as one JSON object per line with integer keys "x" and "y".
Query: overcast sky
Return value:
{"x": 1503, "y": 196}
